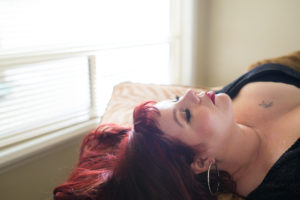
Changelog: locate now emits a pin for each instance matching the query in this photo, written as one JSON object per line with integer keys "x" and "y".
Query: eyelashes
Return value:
{"x": 187, "y": 115}
{"x": 186, "y": 111}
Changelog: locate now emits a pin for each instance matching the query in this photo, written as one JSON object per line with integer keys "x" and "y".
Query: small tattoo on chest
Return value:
{"x": 266, "y": 104}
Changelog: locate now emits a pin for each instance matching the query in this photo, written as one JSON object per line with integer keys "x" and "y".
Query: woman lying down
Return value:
{"x": 243, "y": 139}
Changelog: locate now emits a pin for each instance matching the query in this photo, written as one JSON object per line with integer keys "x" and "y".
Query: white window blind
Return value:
{"x": 43, "y": 94}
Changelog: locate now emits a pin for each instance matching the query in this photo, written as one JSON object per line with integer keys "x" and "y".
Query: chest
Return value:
{"x": 274, "y": 108}
{"x": 264, "y": 103}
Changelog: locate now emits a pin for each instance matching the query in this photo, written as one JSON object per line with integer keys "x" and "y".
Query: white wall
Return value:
{"x": 240, "y": 32}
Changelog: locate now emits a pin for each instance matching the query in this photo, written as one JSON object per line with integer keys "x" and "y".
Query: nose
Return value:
{"x": 191, "y": 96}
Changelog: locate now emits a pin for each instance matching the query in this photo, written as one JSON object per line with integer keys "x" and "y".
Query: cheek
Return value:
{"x": 204, "y": 123}
{"x": 168, "y": 128}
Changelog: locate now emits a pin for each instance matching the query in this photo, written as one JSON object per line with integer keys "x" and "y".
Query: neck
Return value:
{"x": 243, "y": 152}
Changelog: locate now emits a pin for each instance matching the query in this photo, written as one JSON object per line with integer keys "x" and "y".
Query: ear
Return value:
{"x": 200, "y": 165}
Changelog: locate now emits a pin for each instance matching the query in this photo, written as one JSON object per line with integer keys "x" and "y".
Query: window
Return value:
{"x": 53, "y": 93}
{"x": 60, "y": 59}
{"x": 32, "y": 25}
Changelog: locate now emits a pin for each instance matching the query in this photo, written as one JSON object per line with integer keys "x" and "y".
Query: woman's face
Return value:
{"x": 196, "y": 119}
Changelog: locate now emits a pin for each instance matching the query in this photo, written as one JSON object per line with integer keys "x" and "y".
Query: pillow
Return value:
{"x": 127, "y": 95}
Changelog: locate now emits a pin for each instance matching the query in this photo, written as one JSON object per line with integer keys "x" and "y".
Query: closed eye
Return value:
{"x": 187, "y": 115}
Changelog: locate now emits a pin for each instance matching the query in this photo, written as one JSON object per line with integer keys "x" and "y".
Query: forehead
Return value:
{"x": 165, "y": 108}
{"x": 166, "y": 120}
{"x": 163, "y": 105}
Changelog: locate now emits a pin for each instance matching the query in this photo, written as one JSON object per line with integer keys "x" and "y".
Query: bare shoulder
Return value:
{"x": 274, "y": 109}
{"x": 264, "y": 102}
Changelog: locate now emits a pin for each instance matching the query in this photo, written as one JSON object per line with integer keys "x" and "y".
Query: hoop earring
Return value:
{"x": 208, "y": 179}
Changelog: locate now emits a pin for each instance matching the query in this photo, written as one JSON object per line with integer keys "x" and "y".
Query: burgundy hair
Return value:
{"x": 136, "y": 163}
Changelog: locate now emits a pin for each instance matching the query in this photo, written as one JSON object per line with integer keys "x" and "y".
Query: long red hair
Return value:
{"x": 135, "y": 163}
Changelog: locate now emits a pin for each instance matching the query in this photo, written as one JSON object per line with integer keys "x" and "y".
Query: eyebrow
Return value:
{"x": 175, "y": 118}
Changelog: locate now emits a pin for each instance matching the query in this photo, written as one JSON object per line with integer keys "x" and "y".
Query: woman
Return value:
{"x": 244, "y": 139}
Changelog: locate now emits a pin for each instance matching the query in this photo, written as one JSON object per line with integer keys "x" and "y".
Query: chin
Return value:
{"x": 224, "y": 102}
{"x": 223, "y": 98}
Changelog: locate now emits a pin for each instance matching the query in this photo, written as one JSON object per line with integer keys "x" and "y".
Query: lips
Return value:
{"x": 211, "y": 95}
